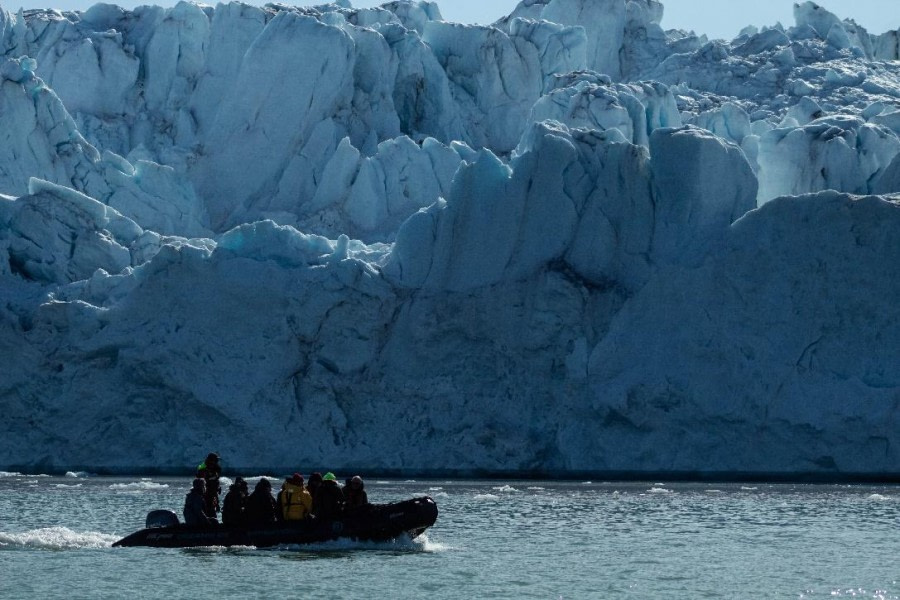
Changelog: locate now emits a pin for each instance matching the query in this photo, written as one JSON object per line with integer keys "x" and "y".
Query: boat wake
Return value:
{"x": 324, "y": 549}
{"x": 55, "y": 538}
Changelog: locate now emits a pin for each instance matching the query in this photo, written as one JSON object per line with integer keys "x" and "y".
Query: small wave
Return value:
{"x": 77, "y": 474}
{"x": 139, "y": 486}
{"x": 536, "y": 488}
{"x": 441, "y": 495}
{"x": 10, "y": 474}
{"x": 879, "y": 498}
{"x": 587, "y": 483}
{"x": 435, "y": 489}
{"x": 659, "y": 490}
{"x": 506, "y": 489}
{"x": 56, "y": 538}
{"x": 65, "y": 485}
{"x": 748, "y": 489}
{"x": 487, "y": 497}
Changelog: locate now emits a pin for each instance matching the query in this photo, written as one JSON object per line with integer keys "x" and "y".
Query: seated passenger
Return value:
{"x": 355, "y": 495}
{"x": 329, "y": 499}
{"x": 261, "y": 508}
{"x": 294, "y": 499}
{"x": 235, "y": 504}
{"x": 195, "y": 506}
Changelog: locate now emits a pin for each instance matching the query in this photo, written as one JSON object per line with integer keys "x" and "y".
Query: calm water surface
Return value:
{"x": 491, "y": 540}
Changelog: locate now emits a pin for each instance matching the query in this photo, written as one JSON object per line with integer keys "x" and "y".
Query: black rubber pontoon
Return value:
{"x": 375, "y": 522}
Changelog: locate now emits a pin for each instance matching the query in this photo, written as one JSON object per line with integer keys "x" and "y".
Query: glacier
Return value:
{"x": 568, "y": 243}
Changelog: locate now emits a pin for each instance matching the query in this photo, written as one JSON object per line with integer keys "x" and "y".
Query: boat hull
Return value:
{"x": 377, "y": 523}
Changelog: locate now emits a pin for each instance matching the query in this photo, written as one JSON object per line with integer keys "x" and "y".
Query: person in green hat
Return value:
{"x": 329, "y": 499}
{"x": 210, "y": 471}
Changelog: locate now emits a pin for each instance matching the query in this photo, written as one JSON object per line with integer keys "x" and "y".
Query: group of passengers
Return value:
{"x": 321, "y": 498}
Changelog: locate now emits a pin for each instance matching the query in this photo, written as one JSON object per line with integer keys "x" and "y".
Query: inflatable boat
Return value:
{"x": 374, "y": 522}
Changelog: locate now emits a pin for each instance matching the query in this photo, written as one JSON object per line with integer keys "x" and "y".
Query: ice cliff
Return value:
{"x": 370, "y": 239}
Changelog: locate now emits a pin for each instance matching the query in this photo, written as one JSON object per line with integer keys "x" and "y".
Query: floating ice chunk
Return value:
{"x": 486, "y": 497}
{"x": 142, "y": 485}
{"x": 506, "y": 489}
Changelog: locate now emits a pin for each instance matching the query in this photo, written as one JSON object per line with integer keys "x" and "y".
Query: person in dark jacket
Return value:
{"x": 329, "y": 499}
{"x": 261, "y": 507}
{"x": 235, "y": 505}
{"x": 195, "y": 506}
{"x": 313, "y": 485}
{"x": 355, "y": 495}
{"x": 210, "y": 471}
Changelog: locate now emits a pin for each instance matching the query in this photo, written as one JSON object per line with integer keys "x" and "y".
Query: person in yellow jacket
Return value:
{"x": 295, "y": 500}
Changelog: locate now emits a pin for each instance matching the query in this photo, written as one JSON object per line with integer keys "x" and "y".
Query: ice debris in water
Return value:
{"x": 139, "y": 486}
{"x": 506, "y": 489}
{"x": 488, "y": 497}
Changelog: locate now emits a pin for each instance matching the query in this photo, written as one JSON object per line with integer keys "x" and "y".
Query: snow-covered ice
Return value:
{"x": 570, "y": 242}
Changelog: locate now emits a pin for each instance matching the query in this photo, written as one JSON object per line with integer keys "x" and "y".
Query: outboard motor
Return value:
{"x": 161, "y": 518}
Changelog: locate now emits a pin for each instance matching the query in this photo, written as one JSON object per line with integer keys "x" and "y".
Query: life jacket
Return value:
{"x": 296, "y": 503}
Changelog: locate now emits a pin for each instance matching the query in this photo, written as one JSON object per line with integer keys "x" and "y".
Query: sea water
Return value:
{"x": 492, "y": 539}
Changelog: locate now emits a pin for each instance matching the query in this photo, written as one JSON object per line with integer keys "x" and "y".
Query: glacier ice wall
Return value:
{"x": 572, "y": 241}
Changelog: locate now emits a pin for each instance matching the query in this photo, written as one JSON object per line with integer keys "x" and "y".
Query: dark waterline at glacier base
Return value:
{"x": 493, "y": 539}
{"x": 810, "y": 477}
